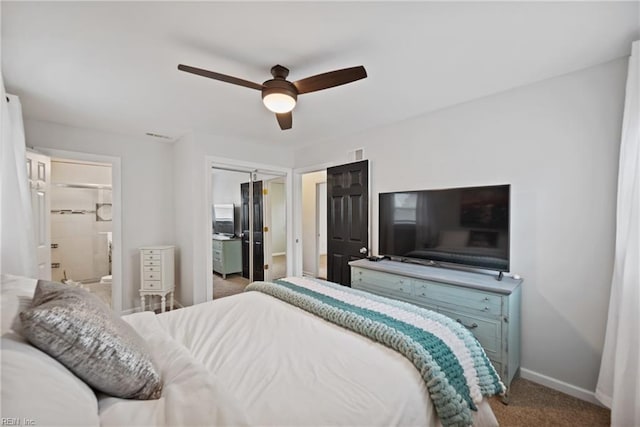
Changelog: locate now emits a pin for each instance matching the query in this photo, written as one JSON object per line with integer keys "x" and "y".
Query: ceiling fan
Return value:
{"x": 279, "y": 94}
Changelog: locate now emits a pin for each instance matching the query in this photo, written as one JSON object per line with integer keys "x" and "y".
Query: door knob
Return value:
{"x": 363, "y": 250}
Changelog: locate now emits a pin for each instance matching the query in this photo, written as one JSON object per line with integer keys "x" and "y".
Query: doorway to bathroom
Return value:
{"x": 81, "y": 225}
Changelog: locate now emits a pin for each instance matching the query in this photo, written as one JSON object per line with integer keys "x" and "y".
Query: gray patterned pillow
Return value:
{"x": 81, "y": 332}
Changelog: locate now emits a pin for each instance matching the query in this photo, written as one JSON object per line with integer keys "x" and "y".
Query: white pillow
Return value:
{"x": 16, "y": 294}
{"x": 36, "y": 387}
{"x": 33, "y": 385}
{"x": 80, "y": 331}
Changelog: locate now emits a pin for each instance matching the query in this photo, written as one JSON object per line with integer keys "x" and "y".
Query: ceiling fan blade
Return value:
{"x": 330, "y": 79}
{"x": 285, "y": 120}
{"x": 218, "y": 76}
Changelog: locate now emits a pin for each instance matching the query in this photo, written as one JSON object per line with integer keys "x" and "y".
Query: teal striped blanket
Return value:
{"x": 452, "y": 363}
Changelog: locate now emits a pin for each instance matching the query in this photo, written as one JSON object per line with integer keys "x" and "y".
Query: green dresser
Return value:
{"x": 227, "y": 256}
{"x": 489, "y": 308}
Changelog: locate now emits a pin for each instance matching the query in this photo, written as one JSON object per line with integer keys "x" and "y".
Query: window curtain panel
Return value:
{"x": 17, "y": 242}
{"x": 619, "y": 380}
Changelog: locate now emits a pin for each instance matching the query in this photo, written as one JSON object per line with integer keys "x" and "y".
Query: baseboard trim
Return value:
{"x": 571, "y": 390}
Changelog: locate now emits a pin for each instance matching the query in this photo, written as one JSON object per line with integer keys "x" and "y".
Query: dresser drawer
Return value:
{"x": 151, "y": 263}
{"x": 150, "y": 252}
{"x": 151, "y": 268}
{"x": 151, "y": 285}
{"x": 487, "y": 331}
{"x": 383, "y": 282}
{"x": 488, "y": 308}
{"x": 152, "y": 275}
{"x": 460, "y": 297}
{"x": 150, "y": 257}
{"x": 217, "y": 255}
{"x": 217, "y": 244}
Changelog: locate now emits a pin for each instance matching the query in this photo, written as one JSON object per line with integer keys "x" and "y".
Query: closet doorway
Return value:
{"x": 249, "y": 226}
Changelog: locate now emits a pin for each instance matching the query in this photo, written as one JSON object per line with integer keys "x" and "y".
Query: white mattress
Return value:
{"x": 253, "y": 359}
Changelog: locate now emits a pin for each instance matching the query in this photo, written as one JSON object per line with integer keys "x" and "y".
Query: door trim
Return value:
{"x": 243, "y": 166}
{"x": 267, "y": 219}
{"x": 116, "y": 194}
{"x": 297, "y": 212}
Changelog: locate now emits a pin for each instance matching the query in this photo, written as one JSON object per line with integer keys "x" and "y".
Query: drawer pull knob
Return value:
{"x": 472, "y": 326}
{"x": 486, "y": 309}
{"x": 486, "y": 299}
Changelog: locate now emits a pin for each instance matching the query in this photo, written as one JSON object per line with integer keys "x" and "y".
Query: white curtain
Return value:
{"x": 619, "y": 381}
{"x": 17, "y": 244}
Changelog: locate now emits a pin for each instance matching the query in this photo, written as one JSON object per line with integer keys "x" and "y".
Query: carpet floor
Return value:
{"x": 233, "y": 284}
{"x": 531, "y": 404}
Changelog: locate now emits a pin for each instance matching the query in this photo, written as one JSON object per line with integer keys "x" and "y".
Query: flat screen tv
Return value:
{"x": 458, "y": 226}
{"x": 224, "y": 219}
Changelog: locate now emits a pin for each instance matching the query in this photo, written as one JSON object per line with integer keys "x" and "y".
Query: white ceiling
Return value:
{"x": 112, "y": 66}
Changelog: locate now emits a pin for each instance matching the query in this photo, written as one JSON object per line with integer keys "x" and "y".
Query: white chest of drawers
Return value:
{"x": 157, "y": 273}
{"x": 489, "y": 308}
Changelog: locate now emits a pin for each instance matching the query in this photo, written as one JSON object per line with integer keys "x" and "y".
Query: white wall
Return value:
{"x": 184, "y": 174}
{"x": 556, "y": 142}
{"x": 147, "y": 188}
{"x": 192, "y": 184}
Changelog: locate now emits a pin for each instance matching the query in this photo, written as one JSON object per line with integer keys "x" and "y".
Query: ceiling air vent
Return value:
{"x": 157, "y": 135}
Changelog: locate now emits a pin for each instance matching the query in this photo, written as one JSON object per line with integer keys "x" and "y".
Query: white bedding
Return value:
{"x": 257, "y": 360}
{"x": 248, "y": 359}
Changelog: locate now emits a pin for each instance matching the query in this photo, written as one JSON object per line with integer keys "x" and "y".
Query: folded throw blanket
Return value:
{"x": 452, "y": 363}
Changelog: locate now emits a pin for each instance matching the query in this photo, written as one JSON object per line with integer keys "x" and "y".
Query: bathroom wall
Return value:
{"x": 81, "y": 238}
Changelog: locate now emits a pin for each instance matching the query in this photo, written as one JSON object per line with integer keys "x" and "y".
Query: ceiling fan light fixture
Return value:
{"x": 279, "y": 95}
{"x": 279, "y": 102}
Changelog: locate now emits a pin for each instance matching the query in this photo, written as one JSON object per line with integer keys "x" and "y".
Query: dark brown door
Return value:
{"x": 347, "y": 218}
{"x": 258, "y": 235}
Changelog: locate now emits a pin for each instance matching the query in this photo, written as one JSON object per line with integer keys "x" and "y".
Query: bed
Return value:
{"x": 248, "y": 359}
